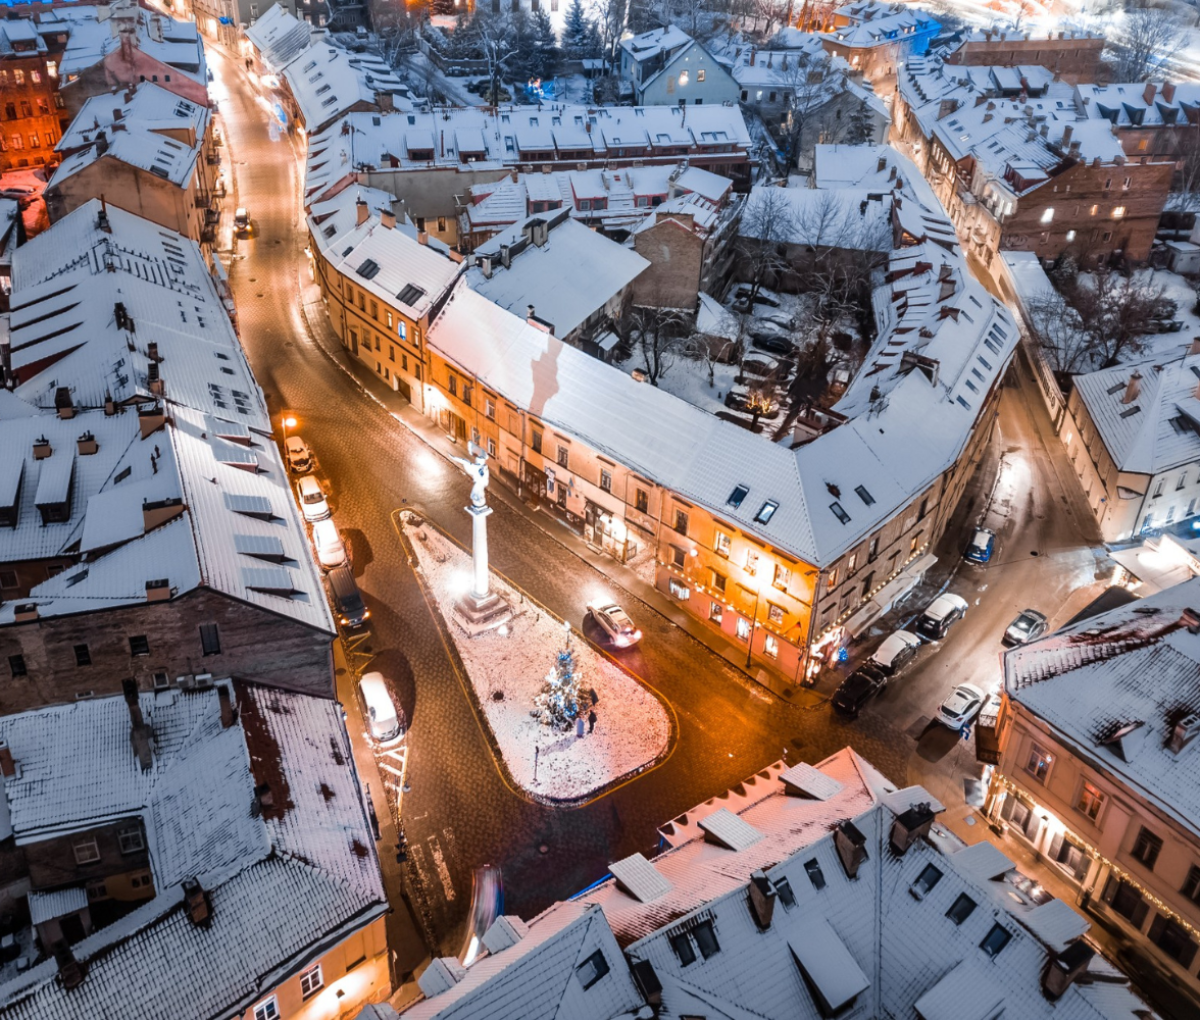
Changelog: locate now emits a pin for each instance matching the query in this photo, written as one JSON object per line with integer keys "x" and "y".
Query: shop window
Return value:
{"x": 743, "y": 629}
{"x": 771, "y": 646}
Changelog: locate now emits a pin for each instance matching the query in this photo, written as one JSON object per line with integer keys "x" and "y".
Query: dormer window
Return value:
{"x": 766, "y": 512}
{"x": 738, "y": 494}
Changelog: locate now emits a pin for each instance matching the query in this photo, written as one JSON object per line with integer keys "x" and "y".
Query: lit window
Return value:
{"x": 683, "y": 77}
{"x": 1094, "y": 209}
{"x": 1047, "y": 215}
{"x": 743, "y": 629}
{"x": 721, "y": 544}
{"x": 751, "y": 562}
{"x": 700, "y": 75}
{"x": 1038, "y": 764}
{"x": 1090, "y": 801}
{"x": 1118, "y": 212}
{"x": 775, "y": 614}
{"x": 782, "y": 577}
{"x": 678, "y": 590}
{"x": 51, "y": 68}
{"x": 1070, "y": 236}
{"x": 716, "y": 612}
{"x": 311, "y": 981}
{"x": 771, "y": 646}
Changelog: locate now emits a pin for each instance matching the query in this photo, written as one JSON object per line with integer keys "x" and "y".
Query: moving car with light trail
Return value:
{"x": 615, "y": 622}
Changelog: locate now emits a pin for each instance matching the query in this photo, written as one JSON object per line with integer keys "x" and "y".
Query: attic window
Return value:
{"x": 411, "y": 294}
{"x": 839, "y": 512}
{"x": 1129, "y": 412}
{"x": 815, "y": 875}
{"x": 738, "y": 494}
{"x": 925, "y": 882}
{"x": 766, "y": 512}
{"x": 961, "y": 909}
{"x": 706, "y": 939}
{"x": 368, "y": 269}
{"x": 682, "y": 945}
{"x": 1116, "y": 388}
{"x": 996, "y": 940}
{"x": 865, "y": 496}
{"x": 784, "y": 889}
{"x": 592, "y": 969}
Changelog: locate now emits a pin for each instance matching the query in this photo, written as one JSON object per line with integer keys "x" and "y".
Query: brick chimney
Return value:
{"x": 87, "y": 445}
{"x": 8, "y": 765}
{"x": 387, "y": 219}
{"x": 26, "y": 612}
{"x": 42, "y": 448}
{"x": 911, "y": 826}
{"x": 1149, "y": 92}
{"x": 1065, "y": 142}
{"x": 851, "y": 846}
{"x": 158, "y": 511}
{"x": 1064, "y": 968}
{"x": 1168, "y": 92}
{"x": 140, "y": 735}
{"x": 363, "y": 213}
{"x": 762, "y": 899}
{"x": 197, "y": 903}
{"x": 151, "y": 419}
{"x": 1133, "y": 389}
{"x": 228, "y": 713}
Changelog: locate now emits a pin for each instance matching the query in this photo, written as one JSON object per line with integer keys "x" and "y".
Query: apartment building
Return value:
{"x": 30, "y": 107}
{"x": 150, "y": 837}
{"x": 1097, "y": 729}
{"x": 666, "y": 66}
{"x": 1150, "y": 118}
{"x": 876, "y": 39}
{"x": 1071, "y": 54}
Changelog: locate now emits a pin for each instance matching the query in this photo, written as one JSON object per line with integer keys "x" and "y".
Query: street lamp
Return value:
{"x": 289, "y": 422}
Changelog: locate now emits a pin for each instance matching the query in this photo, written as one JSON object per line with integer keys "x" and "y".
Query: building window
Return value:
{"x": 268, "y": 1010}
{"x": 873, "y": 549}
{"x": 721, "y": 544}
{"x": 751, "y": 562}
{"x": 783, "y": 577}
{"x": 210, "y": 639}
{"x": 641, "y": 501}
{"x": 131, "y": 841}
{"x": 1091, "y": 800}
{"x": 1038, "y": 764}
{"x": 996, "y": 940}
{"x": 311, "y": 981}
{"x": 489, "y": 408}
{"x": 592, "y": 969}
{"x": 536, "y": 440}
{"x": 961, "y": 909}
{"x": 700, "y": 75}
{"x": 87, "y": 851}
{"x": 851, "y": 563}
{"x": 833, "y": 578}
{"x": 491, "y": 447}
{"x": 16, "y": 665}
{"x": 564, "y": 457}
{"x": 743, "y": 629}
{"x": 775, "y": 613}
{"x": 452, "y": 385}
{"x": 678, "y": 556}
{"x": 1147, "y": 847}
{"x": 8, "y": 579}
{"x": 1048, "y": 215}
{"x": 682, "y": 946}
{"x": 716, "y": 612}
{"x": 1191, "y": 887}
{"x": 771, "y": 646}
{"x": 139, "y": 645}
{"x": 718, "y": 582}
{"x": 683, "y": 77}
{"x": 706, "y": 939}
{"x": 1070, "y": 236}
{"x": 681, "y": 522}
{"x": 82, "y": 656}
{"x": 1173, "y": 940}
{"x": 605, "y": 480}
{"x": 679, "y": 590}
{"x": 1118, "y": 212}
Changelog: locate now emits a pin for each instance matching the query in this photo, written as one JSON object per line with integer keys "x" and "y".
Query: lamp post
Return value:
{"x": 289, "y": 422}
{"x": 753, "y": 625}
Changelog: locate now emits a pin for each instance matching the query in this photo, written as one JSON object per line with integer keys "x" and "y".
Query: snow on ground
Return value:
{"x": 632, "y": 727}
{"x": 1183, "y": 292}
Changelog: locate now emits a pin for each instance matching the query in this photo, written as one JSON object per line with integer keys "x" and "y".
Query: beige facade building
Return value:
{"x": 1097, "y": 772}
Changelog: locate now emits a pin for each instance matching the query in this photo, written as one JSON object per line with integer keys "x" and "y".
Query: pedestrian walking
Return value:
{"x": 591, "y": 721}
{"x": 579, "y": 726}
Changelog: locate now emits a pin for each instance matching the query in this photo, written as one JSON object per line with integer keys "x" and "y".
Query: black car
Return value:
{"x": 859, "y": 688}
{"x": 772, "y": 344}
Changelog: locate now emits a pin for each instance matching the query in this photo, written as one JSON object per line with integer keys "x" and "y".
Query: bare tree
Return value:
{"x": 658, "y": 339}
{"x": 608, "y": 19}
{"x": 1145, "y": 42}
{"x": 768, "y": 226}
{"x": 1187, "y": 153}
{"x": 1059, "y": 333}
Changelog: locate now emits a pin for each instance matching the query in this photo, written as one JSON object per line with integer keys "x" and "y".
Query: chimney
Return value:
{"x": 647, "y": 982}
{"x": 1133, "y": 389}
{"x": 1064, "y": 968}
{"x": 911, "y": 826}
{"x": 851, "y": 846}
{"x": 363, "y": 213}
{"x": 41, "y": 448}
{"x": 8, "y": 766}
{"x": 26, "y": 612}
{"x": 506, "y": 256}
{"x": 442, "y": 974}
{"x": 881, "y": 165}
{"x": 762, "y": 899}
{"x": 87, "y": 444}
{"x": 152, "y": 351}
{"x": 1168, "y": 92}
{"x": 102, "y": 217}
{"x": 752, "y": 56}
{"x": 197, "y": 903}
{"x": 118, "y": 113}
{"x": 387, "y": 219}
{"x": 385, "y": 101}
{"x": 1195, "y": 346}
{"x": 122, "y": 317}
{"x": 158, "y": 511}
{"x": 110, "y": 405}
{"x": 485, "y": 266}
{"x": 422, "y": 237}
{"x": 71, "y": 972}
{"x": 151, "y": 419}
{"x": 505, "y": 931}
{"x": 63, "y": 403}
{"x": 154, "y": 379}
{"x": 1182, "y": 733}
{"x": 158, "y": 589}
{"x": 228, "y": 715}
{"x": 101, "y": 143}
{"x": 1044, "y": 130}
{"x": 139, "y": 732}
{"x": 1149, "y": 92}
{"x": 1065, "y": 142}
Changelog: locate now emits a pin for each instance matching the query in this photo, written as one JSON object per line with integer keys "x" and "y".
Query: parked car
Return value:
{"x": 896, "y": 652}
{"x": 942, "y": 611}
{"x": 382, "y": 719}
{"x": 22, "y": 193}
{"x": 299, "y": 456}
{"x": 961, "y": 706}
{"x": 241, "y": 220}
{"x": 348, "y": 604}
{"x": 859, "y": 688}
{"x": 312, "y": 499}
{"x": 615, "y": 622}
{"x": 773, "y": 344}
{"x": 981, "y": 546}
{"x": 330, "y": 548}
{"x": 1029, "y": 625}
{"x": 763, "y": 297}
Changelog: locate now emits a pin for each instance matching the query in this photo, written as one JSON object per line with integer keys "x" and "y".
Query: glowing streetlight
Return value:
{"x": 289, "y": 422}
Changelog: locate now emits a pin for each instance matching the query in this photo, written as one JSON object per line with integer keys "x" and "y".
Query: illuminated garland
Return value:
{"x": 1128, "y": 879}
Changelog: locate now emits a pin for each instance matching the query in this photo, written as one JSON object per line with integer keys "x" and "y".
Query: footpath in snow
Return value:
{"x": 507, "y": 671}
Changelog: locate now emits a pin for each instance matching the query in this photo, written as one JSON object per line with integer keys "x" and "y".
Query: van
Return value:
{"x": 312, "y": 499}
{"x": 347, "y": 599}
{"x": 381, "y": 711}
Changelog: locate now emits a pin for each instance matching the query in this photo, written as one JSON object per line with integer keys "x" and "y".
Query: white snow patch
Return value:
{"x": 632, "y": 727}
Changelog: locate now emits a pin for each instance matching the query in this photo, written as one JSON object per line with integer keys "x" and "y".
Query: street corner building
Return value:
{"x": 1098, "y": 773}
{"x": 808, "y": 891}
{"x": 186, "y": 853}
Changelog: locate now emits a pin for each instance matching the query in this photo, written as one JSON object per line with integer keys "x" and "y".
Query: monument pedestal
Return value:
{"x": 482, "y": 610}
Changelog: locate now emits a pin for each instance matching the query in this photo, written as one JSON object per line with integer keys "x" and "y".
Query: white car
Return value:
{"x": 299, "y": 456}
{"x": 896, "y": 651}
{"x": 942, "y": 612}
{"x": 615, "y": 622}
{"x": 962, "y": 706}
{"x": 312, "y": 499}
{"x": 327, "y": 541}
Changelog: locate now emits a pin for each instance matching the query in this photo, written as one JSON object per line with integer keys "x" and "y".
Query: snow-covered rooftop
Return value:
{"x": 655, "y": 43}
{"x": 573, "y": 274}
{"x": 1134, "y": 667}
{"x": 173, "y": 42}
{"x": 869, "y": 23}
{"x": 278, "y": 36}
{"x": 305, "y": 861}
{"x": 137, "y": 145}
{"x": 1141, "y": 104}
{"x": 146, "y": 108}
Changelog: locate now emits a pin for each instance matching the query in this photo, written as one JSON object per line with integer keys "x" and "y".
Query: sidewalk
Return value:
{"x": 620, "y": 574}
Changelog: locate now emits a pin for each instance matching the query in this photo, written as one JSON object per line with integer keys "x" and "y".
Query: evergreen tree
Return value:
{"x": 860, "y": 128}
{"x": 575, "y": 30}
{"x": 562, "y": 697}
{"x": 544, "y": 60}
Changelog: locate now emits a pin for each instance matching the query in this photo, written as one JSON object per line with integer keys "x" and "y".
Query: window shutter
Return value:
{"x": 1110, "y": 890}
{"x": 1006, "y": 809}
{"x": 1033, "y": 827}
{"x": 1056, "y": 847}
{"x": 1187, "y": 954}
{"x": 1156, "y": 927}
{"x": 1139, "y": 914}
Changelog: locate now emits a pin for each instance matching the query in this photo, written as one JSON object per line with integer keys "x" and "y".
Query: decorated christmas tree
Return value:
{"x": 561, "y": 698}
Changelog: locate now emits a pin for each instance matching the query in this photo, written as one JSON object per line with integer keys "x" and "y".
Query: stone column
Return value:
{"x": 479, "y": 550}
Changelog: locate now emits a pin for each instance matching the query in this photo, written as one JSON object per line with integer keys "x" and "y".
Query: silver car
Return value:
{"x": 615, "y": 622}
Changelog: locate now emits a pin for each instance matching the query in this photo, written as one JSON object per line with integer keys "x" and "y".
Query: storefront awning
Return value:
{"x": 883, "y": 600}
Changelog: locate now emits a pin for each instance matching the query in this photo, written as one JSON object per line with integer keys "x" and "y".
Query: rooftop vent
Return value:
{"x": 1184, "y": 732}
{"x": 442, "y": 974}
{"x": 1064, "y": 968}
{"x": 197, "y": 902}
